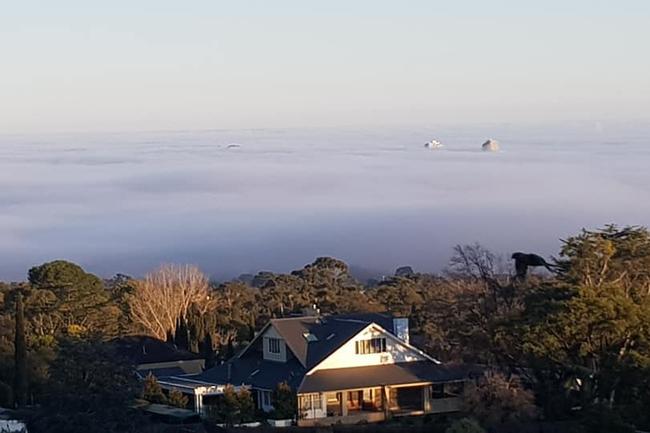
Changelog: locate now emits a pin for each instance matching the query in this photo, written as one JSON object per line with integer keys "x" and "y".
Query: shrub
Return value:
{"x": 497, "y": 400}
{"x": 151, "y": 390}
{"x": 177, "y": 399}
{"x": 601, "y": 419}
{"x": 465, "y": 425}
{"x": 246, "y": 405}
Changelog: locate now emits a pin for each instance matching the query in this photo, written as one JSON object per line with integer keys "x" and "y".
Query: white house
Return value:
{"x": 344, "y": 368}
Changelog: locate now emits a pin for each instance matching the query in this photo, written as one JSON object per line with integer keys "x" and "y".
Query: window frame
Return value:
{"x": 370, "y": 346}
{"x": 311, "y": 401}
{"x": 274, "y": 345}
{"x": 266, "y": 398}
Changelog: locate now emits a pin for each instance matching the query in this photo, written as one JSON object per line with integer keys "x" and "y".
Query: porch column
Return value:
{"x": 344, "y": 403}
{"x": 198, "y": 402}
{"x": 385, "y": 395}
{"x": 426, "y": 398}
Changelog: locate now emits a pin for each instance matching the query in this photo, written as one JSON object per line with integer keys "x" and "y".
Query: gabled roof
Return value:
{"x": 326, "y": 335}
{"x": 339, "y": 379}
{"x": 330, "y": 333}
{"x": 388, "y": 334}
{"x": 142, "y": 349}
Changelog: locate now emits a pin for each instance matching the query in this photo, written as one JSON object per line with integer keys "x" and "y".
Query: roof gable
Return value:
{"x": 326, "y": 334}
{"x": 397, "y": 351}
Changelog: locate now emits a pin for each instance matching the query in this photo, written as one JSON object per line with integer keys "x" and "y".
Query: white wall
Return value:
{"x": 346, "y": 355}
{"x": 272, "y": 333}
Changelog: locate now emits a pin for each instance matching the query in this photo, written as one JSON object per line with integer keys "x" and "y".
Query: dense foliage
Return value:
{"x": 565, "y": 345}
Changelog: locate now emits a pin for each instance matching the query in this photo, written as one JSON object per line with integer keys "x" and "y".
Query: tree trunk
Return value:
{"x": 20, "y": 356}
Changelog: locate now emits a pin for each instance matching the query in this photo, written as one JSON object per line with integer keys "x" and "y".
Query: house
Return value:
{"x": 158, "y": 357}
{"x": 344, "y": 368}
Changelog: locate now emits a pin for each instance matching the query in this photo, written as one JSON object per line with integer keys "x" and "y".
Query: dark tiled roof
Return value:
{"x": 142, "y": 349}
{"x": 254, "y": 371}
{"x": 337, "y": 379}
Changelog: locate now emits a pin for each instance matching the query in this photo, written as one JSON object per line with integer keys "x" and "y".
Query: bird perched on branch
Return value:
{"x": 523, "y": 261}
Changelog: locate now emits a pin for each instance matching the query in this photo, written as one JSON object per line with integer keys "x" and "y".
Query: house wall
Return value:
{"x": 346, "y": 356}
{"x": 272, "y": 333}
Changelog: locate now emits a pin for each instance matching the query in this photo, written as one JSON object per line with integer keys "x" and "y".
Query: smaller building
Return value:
{"x": 158, "y": 357}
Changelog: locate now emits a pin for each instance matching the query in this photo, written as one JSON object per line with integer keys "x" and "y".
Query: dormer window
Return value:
{"x": 372, "y": 345}
{"x": 274, "y": 345}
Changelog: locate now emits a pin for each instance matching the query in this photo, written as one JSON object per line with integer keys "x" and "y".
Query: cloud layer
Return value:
{"x": 378, "y": 199}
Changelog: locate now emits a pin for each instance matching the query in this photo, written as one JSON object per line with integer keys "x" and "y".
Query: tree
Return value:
{"x": 246, "y": 405}
{"x": 227, "y": 410}
{"x": 589, "y": 326}
{"x": 151, "y": 390}
{"x": 285, "y": 404}
{"x": 329, "y": 283}
{"x": 498, "y": 400}
{"x": 90, "y": 389}
{"x": 177, "y": 399}
{"x": 208, "y": 352}
{"x": 20, "y": 355}
{"x": 182, "y": 336}
{"x": 78, "y": 301}
{"x": 165, "y": 296}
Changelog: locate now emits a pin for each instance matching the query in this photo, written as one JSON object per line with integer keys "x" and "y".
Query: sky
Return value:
{"x": 168, "y": 65}
{"x": 116, "y": 117}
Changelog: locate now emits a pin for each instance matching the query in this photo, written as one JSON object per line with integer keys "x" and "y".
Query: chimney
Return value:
{"x": 401, "y": 328}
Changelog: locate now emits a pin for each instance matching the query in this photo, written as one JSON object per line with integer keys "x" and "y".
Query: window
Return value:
{"x": 266, "y": 398}
{"x": 310, "y": 401}
{"x": 274, "y": 345}
{"x": 373, "y": 345}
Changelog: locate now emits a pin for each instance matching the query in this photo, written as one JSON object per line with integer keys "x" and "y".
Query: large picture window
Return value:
{"x": 372, "y": 345}
{"x": 310, "y": 401}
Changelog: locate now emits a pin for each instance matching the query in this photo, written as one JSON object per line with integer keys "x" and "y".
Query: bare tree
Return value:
{"x": 166, "y": 295}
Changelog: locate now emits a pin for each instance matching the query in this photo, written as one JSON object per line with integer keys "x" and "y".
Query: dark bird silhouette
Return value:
{"x": 523, "y": 261}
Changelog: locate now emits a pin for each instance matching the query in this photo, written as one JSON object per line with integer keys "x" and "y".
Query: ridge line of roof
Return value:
{"x": 277, "y": 319}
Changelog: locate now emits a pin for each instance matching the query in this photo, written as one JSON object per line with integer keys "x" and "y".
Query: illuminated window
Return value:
{"x": 373, "y": 345}
{"x": 310, "y": 401}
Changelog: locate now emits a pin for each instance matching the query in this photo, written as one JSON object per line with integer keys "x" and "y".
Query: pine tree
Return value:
{"x": 208, "y": 351}
{"x": 195, "y": 334}
{"x": 20, "y": 355}
{"x": 181, "y": 339}
{"x": 229, "y": 406}
{"x": 284, "y": 401}
{"x": 230, "y": 350}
